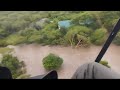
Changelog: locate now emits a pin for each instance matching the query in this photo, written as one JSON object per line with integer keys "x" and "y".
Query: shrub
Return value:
{"x": 78, "y": 35}
{"x": 52, "y": 62}
{"x": 3, "y": 33}
{"x": 105, "y": 63}
{"x": 109, "y": 19}
{"x": 99, "y": 36}
{"x": 51, "y": 26}
{"x": 63, "y": 30}
{"x": 3, "y": 43}
{"x": 16, "y": 67}
{"x": 34, "y": 39}
{"x": 86, "y": 19}
{"x": 28, "y": 32}
{"x": 50, "y": 37}
{"x": 15, "y": 39}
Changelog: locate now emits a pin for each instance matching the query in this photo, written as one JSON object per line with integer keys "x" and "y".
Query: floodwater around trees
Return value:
{"x": 33, "y": 54}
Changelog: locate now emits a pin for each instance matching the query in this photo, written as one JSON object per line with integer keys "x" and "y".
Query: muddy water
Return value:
{"x": 33, "y": 54}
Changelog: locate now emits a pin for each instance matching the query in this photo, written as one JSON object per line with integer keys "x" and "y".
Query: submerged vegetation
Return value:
{"x": 52, "y": 62}
{"x": 87, "y": 27}
{"x": 105, "y": 63}
{"x": 16, "y": 67}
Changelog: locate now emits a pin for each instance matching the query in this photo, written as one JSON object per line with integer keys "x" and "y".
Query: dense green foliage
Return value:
{"x": 78, "y": 35}
{"x": 87, "y": 19}
{"x": 17, "y": 27}
{"x": 52, "y": 62}
{"x": 16, "y": 67}
{"x": 99, "y": 36}
{"x": 105, "y": 63}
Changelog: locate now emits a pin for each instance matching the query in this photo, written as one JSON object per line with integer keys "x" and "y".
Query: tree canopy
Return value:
{"x": 17, "y": 27}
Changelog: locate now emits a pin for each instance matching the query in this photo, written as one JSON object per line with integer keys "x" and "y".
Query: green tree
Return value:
{"x": 3, "y": 43}
{"x": 30, "y": 34}
{"x": 35, "y": 38}
{"x": 63, "y": 30}
{"x": 50, "y": 37}
{"x": 15, "y": 39}
{"x": 87, "y": 19}
{"x": 16, "y": 67}
{"x": 3, "y": 33}
{"x": 78, "y": 34}
{"x": 99, "y": 36}
{"x": 52, "y": 62}
{"x": 51, "y": 26}
{"x": 108, "y": 19}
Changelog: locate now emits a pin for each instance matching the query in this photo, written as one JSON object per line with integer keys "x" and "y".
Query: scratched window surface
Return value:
{"x": 34, "y": 42}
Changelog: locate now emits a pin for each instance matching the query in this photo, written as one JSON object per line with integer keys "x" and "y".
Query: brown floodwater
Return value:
{"x": 33, "y": 54}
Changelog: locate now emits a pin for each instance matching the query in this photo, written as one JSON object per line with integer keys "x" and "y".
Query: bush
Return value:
{"x": 78, "y": 35}
{"x": 63, "y": 30}
{"x": 2, "y": 43}
{"x": 99, "y": 36}
{"x": 3, "y": 33}
{"x": 50, "y": 37}
{"x": 34, "y": 38}
{"x": 27, "y": 32}
{"x": 52, "y": 62}
{"x": 15, "y": 39}
{"x": 51, "y": 26}
{"x": 87, "y": 19}
{"x": 105, "y": 63}
{"x": 16, "y": 67}
{"x": 109, "y": 19}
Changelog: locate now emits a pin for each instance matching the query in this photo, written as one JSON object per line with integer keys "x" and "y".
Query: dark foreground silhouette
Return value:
{"x": 5, "y": 73}
{"x": 86, "y": 71}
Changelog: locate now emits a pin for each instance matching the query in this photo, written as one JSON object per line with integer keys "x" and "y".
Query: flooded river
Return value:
{"x": 33, "y": 54}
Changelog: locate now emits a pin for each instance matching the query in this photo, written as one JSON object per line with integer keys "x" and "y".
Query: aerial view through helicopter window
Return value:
{"x": 34, "y": 43}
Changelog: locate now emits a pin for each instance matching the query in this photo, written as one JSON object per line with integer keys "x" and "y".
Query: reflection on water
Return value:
{"x": 33, "y": 54}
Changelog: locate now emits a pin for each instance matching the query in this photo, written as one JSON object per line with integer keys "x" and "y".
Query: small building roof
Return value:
{"x": 65, "y": 23}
